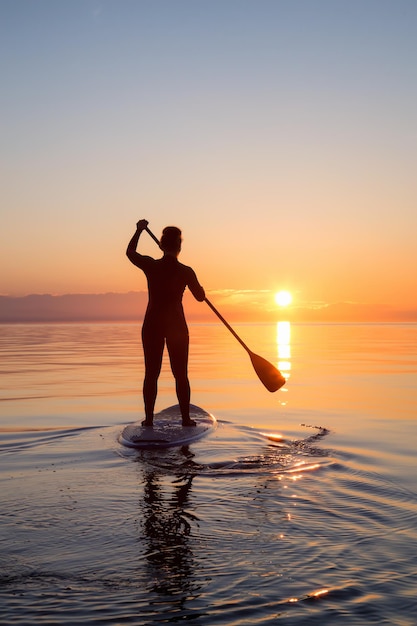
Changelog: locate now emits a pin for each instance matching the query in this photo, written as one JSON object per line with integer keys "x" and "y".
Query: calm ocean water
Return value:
{"x": 299, "y": 509}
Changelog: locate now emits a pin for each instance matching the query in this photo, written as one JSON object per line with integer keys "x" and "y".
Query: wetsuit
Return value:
{"x": 165, "y": 323}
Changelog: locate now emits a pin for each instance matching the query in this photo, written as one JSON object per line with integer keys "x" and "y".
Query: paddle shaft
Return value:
{"x": 156, "y": 240}
{"x": 212, "y": 307}
{"x": 266, "y": 372}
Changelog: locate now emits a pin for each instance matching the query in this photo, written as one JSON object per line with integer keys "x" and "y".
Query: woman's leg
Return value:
{"x": 153, "y": 349}
{"x": 177, "y": 345}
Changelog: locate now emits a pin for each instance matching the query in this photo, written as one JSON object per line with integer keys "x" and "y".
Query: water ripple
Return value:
{"x": 242, "y": 530}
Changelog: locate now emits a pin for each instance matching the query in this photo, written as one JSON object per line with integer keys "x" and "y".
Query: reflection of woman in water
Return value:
{"x": 167, "y": 520}
{"x": 164, "y": 319}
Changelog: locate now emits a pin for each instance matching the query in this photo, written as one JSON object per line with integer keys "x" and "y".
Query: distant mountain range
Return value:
{"x": 73, "y": 307}
{"x": 131, "y": 306}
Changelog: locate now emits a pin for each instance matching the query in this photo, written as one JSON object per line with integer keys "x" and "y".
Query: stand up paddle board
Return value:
{"x": 167, "y": 429}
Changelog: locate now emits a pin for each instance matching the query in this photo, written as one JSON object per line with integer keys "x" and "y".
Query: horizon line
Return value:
{"x": 237, "y": 305}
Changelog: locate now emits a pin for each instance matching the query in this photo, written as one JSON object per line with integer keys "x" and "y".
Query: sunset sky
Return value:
{"x": 280, "y": 135}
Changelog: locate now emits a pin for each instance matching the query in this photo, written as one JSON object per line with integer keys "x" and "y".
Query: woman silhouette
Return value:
{"x": 164, "y": 318}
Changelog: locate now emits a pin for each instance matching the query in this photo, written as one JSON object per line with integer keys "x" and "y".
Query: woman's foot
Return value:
{"x": 147, "y": 423}
{"x": 189, "y": 422}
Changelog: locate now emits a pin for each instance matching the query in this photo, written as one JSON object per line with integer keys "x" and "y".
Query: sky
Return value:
{"x": 280, "y": 135}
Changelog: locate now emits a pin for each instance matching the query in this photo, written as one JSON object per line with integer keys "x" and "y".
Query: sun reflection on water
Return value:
{"x": 284, "y": 348}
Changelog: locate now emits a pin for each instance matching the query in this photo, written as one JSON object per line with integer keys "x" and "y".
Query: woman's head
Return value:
{"x": 171, "y": 240}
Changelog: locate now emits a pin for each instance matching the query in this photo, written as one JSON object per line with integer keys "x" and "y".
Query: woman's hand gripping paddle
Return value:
{"x": 267, "y": 373}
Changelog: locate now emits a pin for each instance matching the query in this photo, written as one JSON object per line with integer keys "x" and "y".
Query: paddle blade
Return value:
{"x": 268, "y": 374}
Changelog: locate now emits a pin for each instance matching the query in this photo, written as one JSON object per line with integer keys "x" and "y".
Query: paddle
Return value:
{"x": 267, "y": 373}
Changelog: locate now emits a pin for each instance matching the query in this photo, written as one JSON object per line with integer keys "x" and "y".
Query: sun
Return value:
{"x": 283, "y": 298}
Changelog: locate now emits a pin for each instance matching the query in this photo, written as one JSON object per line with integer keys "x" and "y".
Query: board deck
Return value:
{"x": 167, "y": 429}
